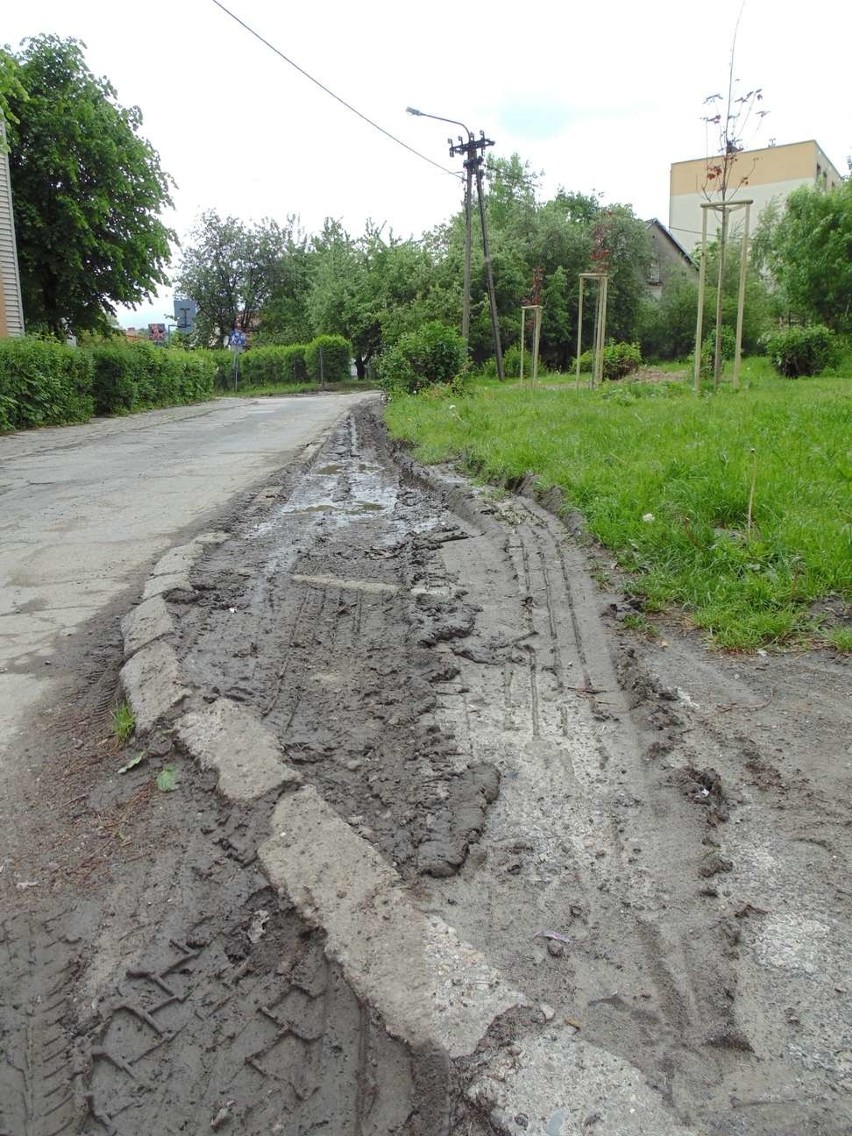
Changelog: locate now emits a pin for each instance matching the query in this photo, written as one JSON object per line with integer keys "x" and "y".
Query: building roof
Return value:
{"x": 653, "y": 223}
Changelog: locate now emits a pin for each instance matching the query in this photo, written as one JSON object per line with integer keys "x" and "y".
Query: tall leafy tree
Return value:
{"x": 808, "y": 251}
{"x": 10, "y": 88}
{"x": 369, "y": 289}
{"x": 232, "y": 269}
{"x": 88, "y": 191}
{"x": 340, "y": 302}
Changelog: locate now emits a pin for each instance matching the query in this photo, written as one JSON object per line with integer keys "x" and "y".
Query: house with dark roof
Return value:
{"x": 668, "y": 258}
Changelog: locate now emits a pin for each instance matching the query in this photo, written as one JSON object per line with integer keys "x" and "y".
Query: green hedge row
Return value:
{"x": 49, "y": 384}
{"x": 323, "y": 360}
{"x": 270, "y": 366}
{"x": 43, "y": 384}
{"x": 140, "y": 376}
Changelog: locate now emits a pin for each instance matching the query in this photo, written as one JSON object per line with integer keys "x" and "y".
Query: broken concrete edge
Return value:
{"x": 152, "y": 685}
{"x": 226, "y": 737}
{"x": 553, "y": 1082}
{"x": 430, "y": 988}
{"x": 150, "y": 619}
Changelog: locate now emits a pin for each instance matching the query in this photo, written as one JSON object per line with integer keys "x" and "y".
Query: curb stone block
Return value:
{"x": 228, "y": 738}
{"x": 430, "y": 987}
{"x": 147, "y": 622}
{"x": 151, "y": 681}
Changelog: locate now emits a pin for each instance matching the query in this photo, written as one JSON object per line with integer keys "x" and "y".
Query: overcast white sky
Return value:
{"x": 601, "y": 96}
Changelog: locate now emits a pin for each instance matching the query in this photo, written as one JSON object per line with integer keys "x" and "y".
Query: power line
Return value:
{"x": 328, "y": 91}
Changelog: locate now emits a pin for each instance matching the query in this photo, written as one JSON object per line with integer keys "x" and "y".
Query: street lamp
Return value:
{"x": 468, "y": 195}
{"x": 470, "y": 147}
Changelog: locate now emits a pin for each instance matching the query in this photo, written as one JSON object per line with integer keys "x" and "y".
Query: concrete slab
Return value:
{"x": 430, "y": 987}
{"x": 151, "y": 682}
{"x": 167, "y": 582}
{"x": 228, "y": 738}
{"x": 180, "y": 559}
{"x": 144, "y": 624}
{"x": 559, "y": 1085}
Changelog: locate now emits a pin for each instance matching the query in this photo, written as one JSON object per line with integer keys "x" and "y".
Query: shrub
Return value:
{"x": 196, "y": 375}
{"x": 802, "y": 351}
{"x": 729, "y": 344}
{"x": 293, "y": 363}
{"x": 587, "y": 362}
{"x": 43, "y": 383}
{"x": 512, "y": 362}
{"x": 620, "y": 359}
{"x": 223, "y": 367}
{"x": 327, "y": 359}
{"x": 434, "y": 353}
{"x": 272, "y": 366}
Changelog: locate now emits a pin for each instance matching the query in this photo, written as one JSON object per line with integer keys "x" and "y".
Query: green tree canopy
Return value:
{"x": 10, "y": 88}
{"x": 87, "y": 189}
{"x": 232, "y": 269}
{"x": 808, "y": 251}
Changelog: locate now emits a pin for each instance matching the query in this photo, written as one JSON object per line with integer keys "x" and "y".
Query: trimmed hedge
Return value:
{"x": 323, "y": 360}
{"x": 139, "y": 376}
{"x": 272, "y": 366}
{"x": 327, "y": 359}
{"x": 43, "y": 384}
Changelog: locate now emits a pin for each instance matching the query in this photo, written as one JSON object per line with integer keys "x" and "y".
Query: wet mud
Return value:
{"x": 650, "y": 840}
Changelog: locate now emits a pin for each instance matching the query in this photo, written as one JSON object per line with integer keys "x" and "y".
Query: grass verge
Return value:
{"x": 733, "y": 508}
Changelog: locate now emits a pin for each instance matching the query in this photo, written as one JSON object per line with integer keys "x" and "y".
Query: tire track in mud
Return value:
{"x": 569, "y": 848}
{"x": 39, "y": 967}
{"x": 445, "y": 681}
{"x": 254, "y": 1031}
{"x": 425, "y": 657}
{"x": 352, "y": 618}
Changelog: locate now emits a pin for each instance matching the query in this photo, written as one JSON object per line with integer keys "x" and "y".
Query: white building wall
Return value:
{"x": 685, "y": 210}
{"x": 11, "y": 309}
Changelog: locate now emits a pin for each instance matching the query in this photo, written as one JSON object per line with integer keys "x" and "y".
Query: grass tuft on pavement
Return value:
{"x": 734, "y": 508}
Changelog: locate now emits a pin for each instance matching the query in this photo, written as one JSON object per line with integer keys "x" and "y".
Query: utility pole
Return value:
{"x": 471, "y": 149}
{"x": 474, "y": 159}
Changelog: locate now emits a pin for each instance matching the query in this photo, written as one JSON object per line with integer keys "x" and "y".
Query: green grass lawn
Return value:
{"x": 733, "y": 508}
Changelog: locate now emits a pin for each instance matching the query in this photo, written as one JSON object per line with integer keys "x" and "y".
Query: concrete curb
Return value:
{"x": 224, "y": 736}
{"x": 151, "y": 681}
{"x": 429, "y": 986}
{"x": 431, "y": 989}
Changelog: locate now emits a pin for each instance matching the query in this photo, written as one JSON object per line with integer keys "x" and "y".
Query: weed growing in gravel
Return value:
{"x": 734, "y": 507}
{"x": 123, "y": 722}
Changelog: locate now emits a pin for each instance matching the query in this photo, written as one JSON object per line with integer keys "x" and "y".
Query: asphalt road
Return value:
{"x": 85, "y": 509}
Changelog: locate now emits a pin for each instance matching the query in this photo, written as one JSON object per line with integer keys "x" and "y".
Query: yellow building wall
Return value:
{"x": 759, "y": 175}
